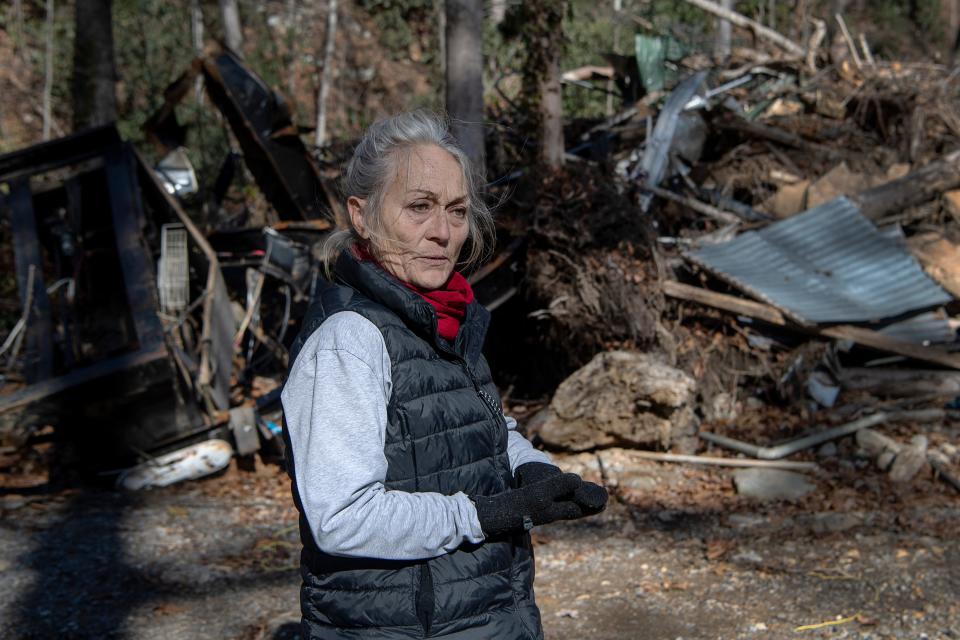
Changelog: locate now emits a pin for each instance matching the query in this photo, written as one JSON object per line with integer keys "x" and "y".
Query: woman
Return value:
{"x": 415, "y": 492}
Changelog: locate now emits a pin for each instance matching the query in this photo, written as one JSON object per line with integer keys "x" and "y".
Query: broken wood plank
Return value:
{"x": 724, "y": 302}
{"x": 742, "y": 21}
{"x": 723, "y": 462}
{"x": 767, "y": 313}
{"x": 940, "y": 259}
{"x": 876, "y": 340}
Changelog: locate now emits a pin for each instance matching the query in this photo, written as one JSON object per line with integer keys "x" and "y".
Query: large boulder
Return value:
{"x": 624, "y": 399}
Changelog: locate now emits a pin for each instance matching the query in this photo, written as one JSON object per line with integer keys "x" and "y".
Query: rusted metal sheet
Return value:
{"x": 826, "y": 265}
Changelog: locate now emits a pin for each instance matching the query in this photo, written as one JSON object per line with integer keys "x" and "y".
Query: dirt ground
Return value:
{"x": 217, "y": 558}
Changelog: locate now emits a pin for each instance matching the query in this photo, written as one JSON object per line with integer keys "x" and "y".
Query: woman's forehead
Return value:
{"x": 428, "y": 168}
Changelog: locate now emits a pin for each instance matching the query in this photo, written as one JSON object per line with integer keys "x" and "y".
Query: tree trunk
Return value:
{"x": 48, "y": 73}
{"x": 551, "y": 113}
{"x": 232, "y": 32}
{"x": 94, "y": 72}
{"x": 498, "y": 11}
{"x": 327, "y": 78}
{"x": 721, "y": 47}
{"x": 196, "y": 30}
{"x": 551, "y": 97}
{"x": 464, "y": 75}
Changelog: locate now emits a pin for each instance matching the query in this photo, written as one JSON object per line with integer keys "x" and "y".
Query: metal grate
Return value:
{"x": 173, "y": 279}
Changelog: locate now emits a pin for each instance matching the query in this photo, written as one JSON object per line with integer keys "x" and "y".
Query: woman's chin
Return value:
{"x": 431, "y": 278}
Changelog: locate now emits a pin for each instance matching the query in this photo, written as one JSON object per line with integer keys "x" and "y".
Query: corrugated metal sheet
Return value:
{"x": 926, "y": 328}
{"x": 827, "y": 264}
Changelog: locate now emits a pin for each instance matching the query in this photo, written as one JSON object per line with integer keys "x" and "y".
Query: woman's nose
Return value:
{"x": 439, "y": 230}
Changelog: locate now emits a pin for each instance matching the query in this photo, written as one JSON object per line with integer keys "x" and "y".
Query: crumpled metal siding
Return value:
{"x": 926, "y": 328}
{"x": 827, "y": 264}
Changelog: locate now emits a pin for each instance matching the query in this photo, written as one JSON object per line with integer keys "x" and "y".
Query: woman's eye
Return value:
{"x": 459, "y": 212}
{"x": 420, "y": 207}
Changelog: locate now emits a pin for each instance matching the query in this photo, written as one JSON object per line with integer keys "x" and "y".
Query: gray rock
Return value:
{"x": 910, "y": 460}
{"x": 771, "y": 484}
{"x": 835, "y": 522}
{"x": 828, "y": 450}
{"x": 621, "y": 398}
{"x": 745, "y": 520}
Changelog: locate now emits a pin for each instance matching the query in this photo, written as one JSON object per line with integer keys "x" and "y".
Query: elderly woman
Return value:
{"x": 415, "y": 492}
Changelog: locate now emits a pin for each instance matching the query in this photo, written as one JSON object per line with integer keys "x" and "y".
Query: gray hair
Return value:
{"x": 375, "y": 161}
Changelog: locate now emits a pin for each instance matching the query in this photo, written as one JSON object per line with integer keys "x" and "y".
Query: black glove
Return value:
{"x": 591, "y": 497}
{"x": 536, "y": 503}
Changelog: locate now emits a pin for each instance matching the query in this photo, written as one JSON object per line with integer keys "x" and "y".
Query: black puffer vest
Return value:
{"x": 445, "y": 433}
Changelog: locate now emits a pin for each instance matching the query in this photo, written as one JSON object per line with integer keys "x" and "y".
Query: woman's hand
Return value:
{"x": 540, "y": 502}
{"x": 589, "y": 496}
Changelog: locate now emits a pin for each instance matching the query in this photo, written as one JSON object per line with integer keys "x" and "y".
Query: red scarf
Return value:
{"x": 449, "y": 301}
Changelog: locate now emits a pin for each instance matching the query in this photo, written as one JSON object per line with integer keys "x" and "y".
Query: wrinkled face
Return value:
{"x": 424, "y": 218}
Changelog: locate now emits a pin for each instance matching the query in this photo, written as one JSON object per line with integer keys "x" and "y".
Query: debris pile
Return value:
{"x": 753, "y": 264}
{"x": 144, "y": 337}
{"x": 804, "y": 205}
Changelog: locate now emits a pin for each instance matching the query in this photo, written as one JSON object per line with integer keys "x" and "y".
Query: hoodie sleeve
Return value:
{"x": 335, "y": 408}
{"x": 519, "y": 449}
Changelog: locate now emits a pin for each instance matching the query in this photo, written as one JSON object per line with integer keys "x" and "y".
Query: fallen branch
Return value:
{"x": 849, "y": 39}
{"x": 700, "y": 207}
{"x": 764, "y": 132}
{"x": 742, "y": 21}
{"x": 767, "y": 313}
{"x": 789, "y": 448}
{"x": 901, "y": 383}
{"x": 724, "y": 462}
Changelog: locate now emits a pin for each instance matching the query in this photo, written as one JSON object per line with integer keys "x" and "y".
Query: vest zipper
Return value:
{"x": 425, "y": 603}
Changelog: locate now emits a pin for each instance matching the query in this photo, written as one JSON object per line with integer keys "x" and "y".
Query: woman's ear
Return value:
{"x": 355, "y": 207}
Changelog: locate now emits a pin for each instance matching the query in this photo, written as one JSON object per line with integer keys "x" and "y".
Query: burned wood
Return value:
{"x": 218, "y": 324}
{"x": 26, "y": 243}
{"x": 774, "y": 134}
{"x": 914, "y": 188}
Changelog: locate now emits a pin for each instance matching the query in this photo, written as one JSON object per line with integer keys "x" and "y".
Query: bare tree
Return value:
{"x": 48, "y": 72}
{"x": 232, "y": 31}
{"x": 327, "y": 79}
{"x": 551, "y": 97}
{"x": 196, "y": 29}
{"x": 94, "y": 70}
{"x": 721, "y": 47}
{"x": 464, "y": 75}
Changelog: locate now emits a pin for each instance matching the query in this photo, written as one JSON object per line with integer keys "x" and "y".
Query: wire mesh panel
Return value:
{"x": 173, "y": 279}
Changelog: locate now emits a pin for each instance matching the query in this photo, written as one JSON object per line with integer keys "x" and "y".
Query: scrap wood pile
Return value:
{"x": 805, "y": 208}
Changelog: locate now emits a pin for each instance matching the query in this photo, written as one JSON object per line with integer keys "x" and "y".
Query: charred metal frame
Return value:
{"x": 137, "y": 395}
